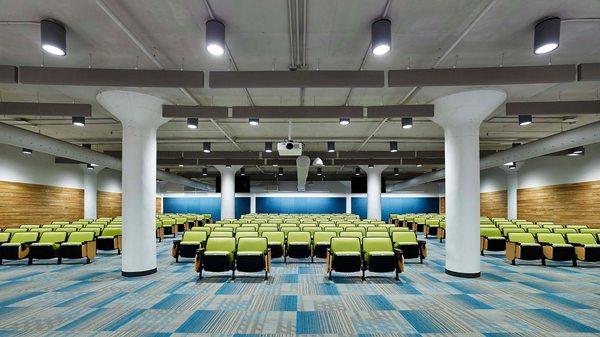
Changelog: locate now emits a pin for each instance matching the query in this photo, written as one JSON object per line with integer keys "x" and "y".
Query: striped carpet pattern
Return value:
{"x": 73, "y": 299}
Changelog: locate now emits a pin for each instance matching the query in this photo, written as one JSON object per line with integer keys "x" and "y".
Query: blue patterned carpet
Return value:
{"x": 94, "y": 300}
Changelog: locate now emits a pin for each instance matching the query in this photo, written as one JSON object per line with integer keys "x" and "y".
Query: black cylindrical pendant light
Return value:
{"x": 26, "y": 151}
{"x": 53, "y": 37}
{"x": 330, "y": 146}
{"x": 357, "y": 171}
{"x": 268, "y": 147}
{"x": 242, "y": 171}
{"x": 192, "y": 123}
{"x": 407, "y": 122}
{"x": 205, "y": 171}
{"x": 206, "y": 147}
{"x": 78, "y": 120}
{"x": 393, "y": 146}
{"x": 280, "y": 171}
{"x": 525, "y": 120}
{"x": 396, "y": 172}
{"x": 215, "y": 37}
{"x": 381, "y": 36}
{"x": 319, "y": 171}
{"x": 546, "y": 37}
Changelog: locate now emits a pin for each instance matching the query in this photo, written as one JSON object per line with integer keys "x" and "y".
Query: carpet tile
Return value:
{"x": 74, "y": 299}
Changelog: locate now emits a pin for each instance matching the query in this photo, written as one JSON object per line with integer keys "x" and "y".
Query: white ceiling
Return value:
{"x": 338, "y": 34}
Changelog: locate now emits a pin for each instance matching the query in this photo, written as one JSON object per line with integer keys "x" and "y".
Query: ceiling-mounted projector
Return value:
{"x": 289, "y": 148}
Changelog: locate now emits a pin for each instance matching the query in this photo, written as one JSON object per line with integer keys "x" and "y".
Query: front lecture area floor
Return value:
{"x": 71, "y": 299}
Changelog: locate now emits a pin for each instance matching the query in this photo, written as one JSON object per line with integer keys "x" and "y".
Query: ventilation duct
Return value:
{"x": 302, "y": 166}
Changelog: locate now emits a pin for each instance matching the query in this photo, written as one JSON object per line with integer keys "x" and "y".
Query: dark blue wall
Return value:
{"x": 300, "y": 205}
{"x": 397, "y": 206}
{"x": 204, "y": 206}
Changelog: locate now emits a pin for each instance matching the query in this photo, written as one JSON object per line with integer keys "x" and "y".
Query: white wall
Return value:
{"x": 39, "y": 168}
{"x": 492, "y": 180}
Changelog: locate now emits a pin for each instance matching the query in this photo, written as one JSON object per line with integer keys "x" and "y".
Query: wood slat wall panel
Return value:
{"x": 108, "y": 204}
{"x": 564, "y": 204}
{"x": 158, "y": 205}
{"x": 38, "y": 204}
{"x": 492, "y": 204}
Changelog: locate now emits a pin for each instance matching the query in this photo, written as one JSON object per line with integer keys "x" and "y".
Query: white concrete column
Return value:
{"x": 140, "y": 115}
{"x": 253, "y": 203}
{"x": 461, "y": 115}
{"x": 90, "y": 192}
{"x": 512, "y": 183}
{"x": 348, "y": 204}
{"x": 374, "y": 190}
{"x": 228, "y": 190}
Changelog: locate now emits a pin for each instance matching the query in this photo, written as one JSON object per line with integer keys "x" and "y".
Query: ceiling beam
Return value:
{"x": 8, "y": 74}
{"x": 111, "y": 77}
{"x": 197, "y": 111}
{"x": 45, "y": 109}
{"x": 296, "y": 79}
{"x": 588, "y": 72}
{"x": 401, "y": 110}
{"x": 482, "y": 76}
{"x": 563, "y": 108}
{"x": 297, "y": 111}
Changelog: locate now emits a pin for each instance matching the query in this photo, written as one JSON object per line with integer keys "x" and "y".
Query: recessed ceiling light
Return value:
{"x": 381, "y": 36}
{"x": 215, "y": 37}
{"x": 192, "y": 123}
{"x": 509, "y": 163}
{"x": 26, "y": 151}
{"x": 180, "y": 165}
{"x": 78, "y": 120}
{"x": 228, "y": 166}
{"x": 576, "y": 151}
{"x": 525, "y": 120}
{"x": 90, "y": 167}
{"x": 53, "y": 37}
{"x": 344, "y": 120}
{"x": 253, "y": 121}
{"x": 512, "y": 166}
{"x": 275, "y": 164}
{"x": 546, "y": 36}
{"x": 371, "y": 166}
{"x": 419, "y": 165}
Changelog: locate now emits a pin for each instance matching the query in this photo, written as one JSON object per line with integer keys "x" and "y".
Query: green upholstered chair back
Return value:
{"x": 246, "y": 229}
{"x": 240, "y": 235}
{"x": 490, "y": 232}
{"x": 590, "y": 230}
{"x": 4, "y": 237}
{"x": 580, "y": 238}
{"x": 214, "y": 234}
{"x": 550, "y": 238}
{"x": 399, "y": 237}
{"x": 363, "y": 230}
{"x": 398, "y": 229}
{"x": 343, "y": 245}
{"x": 377, "y": 229}
{"x": 112, "y": 231}
{"x": 433, "y": 222}
{"x": 551, "y": 226}
{"x": 536, "y": 231}
{"x": 378, "y": 234}
{"x": 201, "y": 229}
{"x": 521, "y": 237}
{"x": 41, "y": 230}
{"x": 508, "y": 230}
{"x": 564, "y": 231}
{"x": 248, "y": 244}
{"x": 250, "y": 225}
{"x": 223, "y": 229}
{"x": 53, "y": 237}
{"x": 273, "y": 237}
{"x": 324, "y": 237}
{"x": 289, "y": 230}
{"x": 24, "y": 237}
{"x": 81, "y": 236}
{"x": 193, "y": 236}
{"x": 29, "y": 226}
{"x": 94, "y": 230}
{"x": 377, "y": 244}
{"x": 220, "y": 244}
{"x": 298, "y": 237}
{"x": 346, "y": 234}
{"x": 576, "y": 227}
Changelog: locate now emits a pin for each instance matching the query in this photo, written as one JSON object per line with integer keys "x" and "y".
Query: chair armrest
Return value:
{"x": 176, "y": 242}
{"x": 421, "y": 242}
{"x": 200, "y": 251}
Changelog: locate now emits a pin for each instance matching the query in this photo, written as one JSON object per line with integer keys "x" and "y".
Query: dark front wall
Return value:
{"x": 204, "y": 206}
{"x": 397, "y": 206}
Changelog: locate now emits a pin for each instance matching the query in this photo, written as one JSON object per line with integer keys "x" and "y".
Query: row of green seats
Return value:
{"x": 347, "y": 255}
{"x": 553, "y": 246}
{"x": 47, "y": 245}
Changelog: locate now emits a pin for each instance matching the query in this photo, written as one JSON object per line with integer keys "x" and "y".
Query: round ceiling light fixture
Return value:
{"x": 215, "y": 37}
{"x": 53, "y": 37}
{"x": 546, "y": 37}
{"x": 381, "y": 36}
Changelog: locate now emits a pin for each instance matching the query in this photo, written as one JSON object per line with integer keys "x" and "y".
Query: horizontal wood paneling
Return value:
{"x": 22, "y": 203}
{"x": 564, "y": 204}
{"x": 493, "y": 204}
{"x": 159, "y": 205}
{"x": 108, "y": 204}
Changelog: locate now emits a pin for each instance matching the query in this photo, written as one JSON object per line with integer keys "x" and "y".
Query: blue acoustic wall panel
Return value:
{"x": 300, "y": 205}
{"x": 242, "y": 206}
{"x": 397, "y": 205}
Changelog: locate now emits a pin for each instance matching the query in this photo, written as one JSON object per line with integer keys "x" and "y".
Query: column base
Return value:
{"x": 464, "y": 275}
{"x": 138, "y": 273}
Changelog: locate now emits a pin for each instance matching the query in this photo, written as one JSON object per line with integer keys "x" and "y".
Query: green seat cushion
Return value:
{"x": 275, "y": 243}
{"x": 496, "y": 238}
{"x": 561, "y": 245}
{"x": 347, "y": 254}
{"x": 191, "y": 243}
{"x": 378, "y": 253}
{"x": 248, "y": 253}
{"x": 592, "y": 245}
{"x": 529, "y": 244}
{"x": 106, "y": 237}
{"x": 11, "y": 244}
{"x": 69, "y": 243}
{"x": 407, "y": 243}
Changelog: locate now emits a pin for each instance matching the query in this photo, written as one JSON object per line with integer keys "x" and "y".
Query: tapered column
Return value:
{"x": 461, "y": 115}
{"x": 374, "y": 190}
{"x": 228, "y": 190}
{"x": 90, "y": 192}
{"x": 140, "y": 115}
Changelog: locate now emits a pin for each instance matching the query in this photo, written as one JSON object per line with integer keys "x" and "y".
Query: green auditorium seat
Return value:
{"x": 48, "y": 246}
{"x": 363, "y": 230}
{"x": 15, "y": 230}
{"x": 551, "y": 226}
{"x": 287, "y": 230}
{"x": 240, "y": 235}
{"x": 377, "y": 229}
{"x": 535, "y": 231}
{"x": 576, "y": 227}
{"x": 442, "y": 231}
{"x": 254, "y": 226}
{"x": 321, "y": 242}
{"x": 523, "y": 246}
{"x": 160, "y": 231}
{"x": 555, "y": 248}
{"x": 95, "y": 230}
{"x": 492, "y": 240}
{"x": 169, "y": 226}
{"x": 263, "y": 229}
{"x": 77, "y": 226}
{"x": 4, "y": 237}
{"x": 431, "y": 227}
{"x": 110, "y": 239}
{"x": 190, "y": 242}
{"x": 391, "y": 230}
{"x": 28, "y": 227}
{"x": 79, "y": 245}
{"x": 379, "y": 256}
{"x": 246, "y": 229}
{"x": 298, "y": 245}
{"x": 593, "y": 231}
{"x": 227, "y": 234}
{"x": 217, "y": 256}
{"x": 252, "y": 256}
{"x": 507, "y": 230}
{"x": 60, "y": 223}
{"x": 410, "y": 246}
{"x": 42, "y": 229}
{"x": 352, "y": 234}
{"x": 418, "y": 225}
{"x": 202, "y": 229}
{"x": 18, "y": 246}
{"x": 344, "y": 255}
{"x": 564, "y": 231}
{"x": 223, "y": 229}
{"x": 378, "y": 234}
{"x": 276, "y": 243}
{"x": 586, "y": 246}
